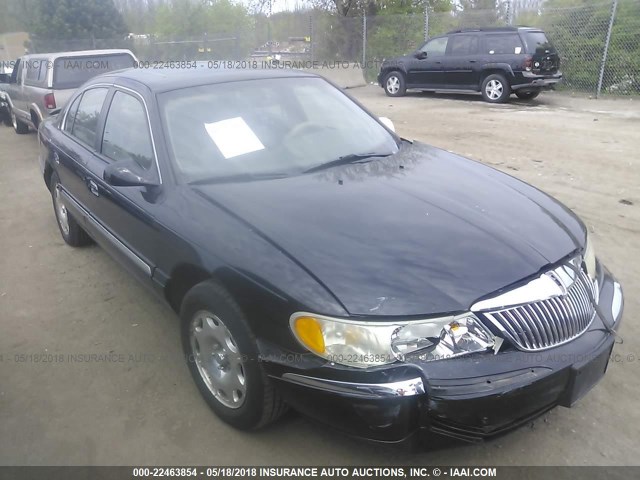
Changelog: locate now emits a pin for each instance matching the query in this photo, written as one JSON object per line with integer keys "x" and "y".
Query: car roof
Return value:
{"x": 162, "y": 80}
{"x": 494, "y": 29}
{"x": 78, "y": 53}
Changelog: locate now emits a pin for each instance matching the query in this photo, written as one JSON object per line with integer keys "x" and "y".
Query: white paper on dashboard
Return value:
{"x": 233, "y": 137}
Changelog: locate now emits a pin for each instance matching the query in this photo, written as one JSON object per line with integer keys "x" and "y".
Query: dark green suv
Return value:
{"x": 493, "y": 61}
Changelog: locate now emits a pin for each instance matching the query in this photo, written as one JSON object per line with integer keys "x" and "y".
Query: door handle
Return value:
{"x": 93, "y": 188}
{"x": 56, "y": 158}
{"x": 472, "y": 61}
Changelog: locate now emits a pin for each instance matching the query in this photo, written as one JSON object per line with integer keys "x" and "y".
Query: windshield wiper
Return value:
{"x": 351, "y": 158}
{"x": 239, "y": 177}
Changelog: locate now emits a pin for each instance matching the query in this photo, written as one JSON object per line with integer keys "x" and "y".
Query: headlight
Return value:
{"x": 367, "y": 344}
{"x": 589, "y": 258}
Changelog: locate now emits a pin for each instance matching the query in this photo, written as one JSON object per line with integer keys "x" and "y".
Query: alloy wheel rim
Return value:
{"x": 61, "y": 209}
{"x": 218, "y": 359}
{"x": 494, "y": 89}
{"x": 393, "y": 84}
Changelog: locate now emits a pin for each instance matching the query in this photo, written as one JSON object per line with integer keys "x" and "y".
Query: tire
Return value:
{"x": 232, "y": 381}
{"x": 71, "y": 231}
{"x": 495, "y": 89}
{"x": 19, "y": 127}
{"x": 394, "y": 84}
{"x": 527, "y": 95}
{"x": 5, "y": 117}
{"x": 36, "y": 120}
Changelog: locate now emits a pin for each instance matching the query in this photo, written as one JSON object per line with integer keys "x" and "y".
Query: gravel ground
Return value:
{"x": 141, "y": 407}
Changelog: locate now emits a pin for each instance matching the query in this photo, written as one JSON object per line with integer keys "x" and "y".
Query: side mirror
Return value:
{"x": 127, "y": 174}
{"x": 387, "y": 123}
{"x": 420, "y": 55}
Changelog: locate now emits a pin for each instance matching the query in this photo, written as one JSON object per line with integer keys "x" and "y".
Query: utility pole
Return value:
{"x": 426, "y": 21}
{"x": 269, "y": 29}
{"x": 614, "y": 7}
{"x": 364, "y": 39}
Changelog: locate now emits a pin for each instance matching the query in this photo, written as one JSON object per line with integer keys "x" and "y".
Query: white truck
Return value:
{"x": 41, "y": 84}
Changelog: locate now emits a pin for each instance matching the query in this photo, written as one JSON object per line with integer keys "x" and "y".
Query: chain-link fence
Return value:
{"x": 598, "y": 43}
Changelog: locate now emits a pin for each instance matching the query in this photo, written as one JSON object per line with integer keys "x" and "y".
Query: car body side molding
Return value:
{"x": 107, "y": 235}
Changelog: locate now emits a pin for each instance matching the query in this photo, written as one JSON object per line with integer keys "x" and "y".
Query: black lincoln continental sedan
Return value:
{"x": 317, "y": 260}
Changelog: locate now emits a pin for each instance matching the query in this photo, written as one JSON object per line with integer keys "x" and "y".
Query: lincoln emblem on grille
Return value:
{"x": 550, "y": 310}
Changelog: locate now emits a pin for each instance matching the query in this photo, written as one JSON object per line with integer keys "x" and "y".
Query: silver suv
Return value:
{"x": 42, "y": 83}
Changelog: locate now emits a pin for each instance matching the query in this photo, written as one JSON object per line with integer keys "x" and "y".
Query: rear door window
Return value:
{"x": 463, "y": 45}
{"x": 503, "y": 43}
{"x": 71, "y": 72}
{"x": 126, "y": 132}
{"x": 85, "y": 125}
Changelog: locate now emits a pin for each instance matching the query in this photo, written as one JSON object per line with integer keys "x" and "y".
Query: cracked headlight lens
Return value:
{"x": 367, "y": 344}
{"x": 442, "y": 338}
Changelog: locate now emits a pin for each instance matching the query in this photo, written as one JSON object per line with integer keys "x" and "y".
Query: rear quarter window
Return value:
{"x": 71, "y": 72}
{"x": 502, "y": 44}
{"x": 537, "y": 42}
{"x": 71, "y": 115}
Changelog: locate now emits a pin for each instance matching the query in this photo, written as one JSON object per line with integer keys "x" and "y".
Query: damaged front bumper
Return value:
{"x": 470, "y": 398}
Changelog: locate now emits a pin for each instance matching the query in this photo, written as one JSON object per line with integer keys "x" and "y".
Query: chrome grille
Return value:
{"x": 548, "y": 322}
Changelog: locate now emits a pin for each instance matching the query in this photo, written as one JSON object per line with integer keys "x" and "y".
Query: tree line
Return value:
{"x": 230, "y": 29}
{"x": 60, "y": 19}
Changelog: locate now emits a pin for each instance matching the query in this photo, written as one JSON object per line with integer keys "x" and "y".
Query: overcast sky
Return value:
{"x": 280, "y": 5}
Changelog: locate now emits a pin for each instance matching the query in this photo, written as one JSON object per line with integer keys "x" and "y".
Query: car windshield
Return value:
{"x": 269, "y": 127}
{"x": 71, "y": 72}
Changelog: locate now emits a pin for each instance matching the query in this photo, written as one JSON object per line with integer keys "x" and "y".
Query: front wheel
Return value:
{"x": 222, "y": 357}
{"x": 495, "y": 89}
{"x": 527, "y": 95}
{"x": 394, "y": 84}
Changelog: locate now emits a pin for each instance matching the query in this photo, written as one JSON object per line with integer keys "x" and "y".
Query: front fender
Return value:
{"x": 399, "y": 66}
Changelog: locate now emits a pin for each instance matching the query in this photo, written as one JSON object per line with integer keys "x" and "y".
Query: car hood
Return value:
{"x": 419, "y": 233}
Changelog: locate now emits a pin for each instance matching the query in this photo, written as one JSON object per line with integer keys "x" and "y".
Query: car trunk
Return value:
{"x": 545, "y": 58}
